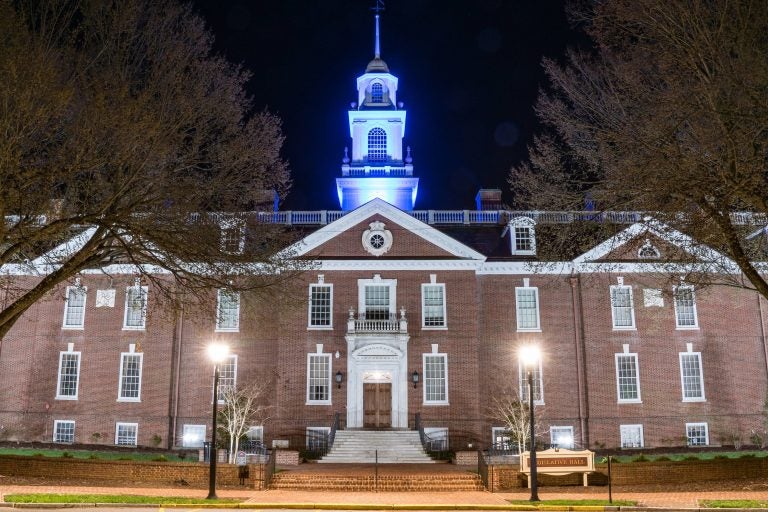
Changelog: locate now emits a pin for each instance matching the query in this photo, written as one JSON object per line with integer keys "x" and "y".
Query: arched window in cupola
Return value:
{"x": 377, "y": 93}
{"x": 377, "y": 145}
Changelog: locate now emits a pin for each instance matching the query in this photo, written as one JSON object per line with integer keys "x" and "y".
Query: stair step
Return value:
{"x": 402, "y": 483}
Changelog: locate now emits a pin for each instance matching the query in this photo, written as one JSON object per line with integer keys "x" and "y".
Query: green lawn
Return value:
{"x": 108, "y": 498}
{"x": 600, "y": 503}
{"x": 733, "y": 504}
{"x": 91, "y": 454}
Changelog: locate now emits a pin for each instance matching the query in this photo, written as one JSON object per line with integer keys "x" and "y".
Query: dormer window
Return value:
{"x": 522, "y": 236}
{"x": 648, "y": 251}
{"x": 232, "y": 236}
{"x": 377, "y": 145}
{"x": 377, "y": 93}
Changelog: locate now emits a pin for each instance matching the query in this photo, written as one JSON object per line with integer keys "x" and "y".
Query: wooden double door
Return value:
{"x": 377, "y": 405}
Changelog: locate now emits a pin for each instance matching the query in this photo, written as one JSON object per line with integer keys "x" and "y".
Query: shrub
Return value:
{"x": 720, "y": 456}
{"x": 640, "y": 458}
{"x": 690, "y": 457}
{"x": 160, "y": 458}
{"x": 93, "y": 456}
{"x": 663, "y": 458}
{"x": 67, "y": 455}
{"x": 747, "y": 456}
{"x": 156, "y": 440}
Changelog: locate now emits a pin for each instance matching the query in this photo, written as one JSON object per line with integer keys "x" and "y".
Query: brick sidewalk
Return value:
{"x": 665, "y": 499}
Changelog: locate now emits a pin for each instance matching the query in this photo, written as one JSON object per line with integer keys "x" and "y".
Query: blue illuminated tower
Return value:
{"x": 377, "y": 167}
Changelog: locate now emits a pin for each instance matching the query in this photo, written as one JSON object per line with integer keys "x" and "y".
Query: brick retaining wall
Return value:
{"x": 194, "y": 474}
{"x": 504, "y": 476}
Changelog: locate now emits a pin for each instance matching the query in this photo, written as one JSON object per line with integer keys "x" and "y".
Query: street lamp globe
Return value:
{"x": 218, "y": 352}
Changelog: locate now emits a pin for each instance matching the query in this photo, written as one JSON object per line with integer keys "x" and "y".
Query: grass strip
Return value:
{"x": 733, "y": 503}
{"x": 576, "y": 503}
{"x": 110, "y": 498}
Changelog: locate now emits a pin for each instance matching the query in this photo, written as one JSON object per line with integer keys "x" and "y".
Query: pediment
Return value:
{"x": 377, "y": 351}
{"x": 396, "y": 235}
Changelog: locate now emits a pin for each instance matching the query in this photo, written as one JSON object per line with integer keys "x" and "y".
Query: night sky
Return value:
{"x": 469, "y": 74}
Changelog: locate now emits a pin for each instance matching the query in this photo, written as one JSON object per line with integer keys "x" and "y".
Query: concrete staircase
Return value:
{"x": 360, "y": 446}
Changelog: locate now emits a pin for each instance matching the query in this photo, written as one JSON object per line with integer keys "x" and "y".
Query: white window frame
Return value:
{"x": 56, "y": 424}
{"x": 224, "y": 381}
{"x": 120, "y": 385}
{"x": 258, "y": 430}
{"x": 689, "y": 426}
{"x": 675, "y": 291}
{"x": 135, "y": 427}
{"x": 377, "y": 281}
{"x": 145, "y": 292}
{"x": 620, "y": 400}
{"x": 307, "y": 438}
{"x": 626, "y": 432}
{"x": 328, "y": 382}
{"x": 424, "y": 288}
{"x": 310, "y": 324}
{"x": 555, "y": 433}
{"x": 190, "y": 434}
{"x": 528, "y": 224}
{"x": 219, "y": 316}
{"x": 231, "y": 229}
{"x": 697, "y": 355}
{"x": 438, "y": 434}
{"x": 69, "y": 352}
{"x": 614, "y": 316}
{"x": 502, "y": 436}
{"x": 70, "y": 290}
{"x": 444, "y": 378}
{"x": 538, "y": 376}
{"x": 518, "y": 309}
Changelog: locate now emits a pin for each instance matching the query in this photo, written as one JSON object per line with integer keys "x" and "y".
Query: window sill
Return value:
{"x": 319, "y": 327}
{"x": 66, "y": 397}
{"x": 72, "y": 327}
{"x": 221, "y": 329}
{"x": 633, "y": 328}
{"x": 687, "y": 328}
{"x": 434, "y": 328}
{"x": 133, "y": 328}
{"x": 129, "y": 400}
{"x": 436, "y": 403}
{"x": 629, "y": 401}
{"x": 532, "y": 329}
{"x": 324, "y": 402}
{"x": 694, "y": 400}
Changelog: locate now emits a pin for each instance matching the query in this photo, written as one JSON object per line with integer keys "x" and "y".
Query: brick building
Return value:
{"x": 407, "y": 312}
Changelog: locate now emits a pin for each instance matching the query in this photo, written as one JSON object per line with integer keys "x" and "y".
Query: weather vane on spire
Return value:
{"x": 377, "y": 47}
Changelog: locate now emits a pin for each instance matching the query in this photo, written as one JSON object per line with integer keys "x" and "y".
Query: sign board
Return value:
{"x": 241, "y": 459}
{"x": 559, "y": 461}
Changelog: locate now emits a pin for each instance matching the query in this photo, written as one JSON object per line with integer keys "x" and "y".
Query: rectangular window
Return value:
{"x": 135, "y": 307}
{"x": 320, "y": 305}
{"x": 130, "y": 377}
{"x": 228, "y": 311}
{"x": 523, "y": 239}
{"x": 74, "y": 307}
{"x": 692, "y": 377}
{"x": 538, "y": 384}
{"x": 317, "y": 438}
{"x": 436, "y": 379}
{"x": 437, "y": 438}
{"x": 433, "y": 305}
{"x": 561, "y": 437}
{"x": 631, "y": 436}
{"x": 622, "y": 308}
{"x": 377, "y": 302}
{"x": 126, "y": 434}
{"x": 527, "y": 302}
{"x": 232, "y": 236}
{"x": 627, "y": 378}
{"x": 697, "y": 434}
{"x": 64, "y": 431}
{"x": 319, "y": 379}
{"x": 255, "y": 434}
{"x": 227, "y": 376}
{"x": 69, "y": 375}
{"x": 685, "y": 307}
{"x": 501, "y": 439}
{"x": 193, "y": 436}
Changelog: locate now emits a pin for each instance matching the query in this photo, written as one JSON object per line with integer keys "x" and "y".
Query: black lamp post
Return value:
{"x": 530, "y": 356}
{"x": 217, "y": 352}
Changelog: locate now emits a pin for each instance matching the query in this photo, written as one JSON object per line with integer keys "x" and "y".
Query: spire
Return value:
{"x": 377, "y": 46}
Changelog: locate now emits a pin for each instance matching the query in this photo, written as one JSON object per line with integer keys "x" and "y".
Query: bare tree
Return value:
{"x": 667, "y": 113}
{"x": 242, "y": 409}
{"x": 515, "y": 415}
{"x": 127, "y": 141}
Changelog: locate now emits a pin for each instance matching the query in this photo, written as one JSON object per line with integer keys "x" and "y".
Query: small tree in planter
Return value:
{"x": 241, "y": 410}
{"x": 514, "y": 413}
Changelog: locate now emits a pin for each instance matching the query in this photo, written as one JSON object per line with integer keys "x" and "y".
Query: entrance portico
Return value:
{"x": 377, "y": 370}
